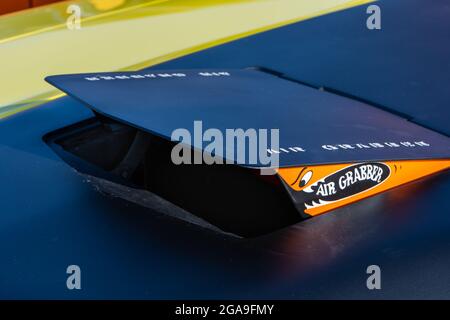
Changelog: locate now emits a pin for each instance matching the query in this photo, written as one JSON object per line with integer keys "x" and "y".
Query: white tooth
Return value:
{"x": 315, "y": 204}
{"x": 308, "y": 206}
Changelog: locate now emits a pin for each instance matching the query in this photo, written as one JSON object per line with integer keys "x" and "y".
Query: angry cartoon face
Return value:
{"x": 318, "y": 187}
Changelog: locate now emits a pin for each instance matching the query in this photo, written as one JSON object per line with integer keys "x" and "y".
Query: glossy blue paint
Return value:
{"x": 403, "y": 67}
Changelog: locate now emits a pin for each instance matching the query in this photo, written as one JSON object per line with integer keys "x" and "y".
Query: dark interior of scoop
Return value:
{"x": 236, "y": 199}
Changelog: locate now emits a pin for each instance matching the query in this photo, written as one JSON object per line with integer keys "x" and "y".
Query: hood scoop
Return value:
{"x": 330, "y": 150}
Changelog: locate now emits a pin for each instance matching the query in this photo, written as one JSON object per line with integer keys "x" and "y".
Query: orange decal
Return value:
{"x": 325, "y": 187}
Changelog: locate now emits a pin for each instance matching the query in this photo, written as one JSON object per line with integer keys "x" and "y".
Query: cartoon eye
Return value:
{"x": 305, "y": 179}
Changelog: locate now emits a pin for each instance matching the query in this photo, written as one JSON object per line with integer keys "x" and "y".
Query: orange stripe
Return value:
{"x": 401, "y": 172}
